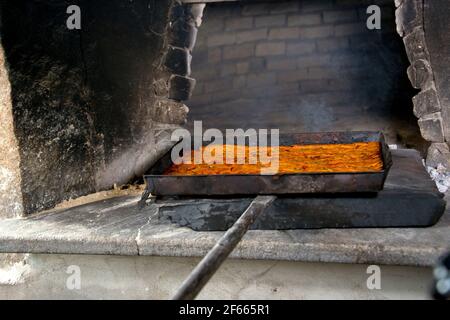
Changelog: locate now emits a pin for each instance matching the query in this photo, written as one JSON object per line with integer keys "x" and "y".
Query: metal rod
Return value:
{"x": 215, "y": 258}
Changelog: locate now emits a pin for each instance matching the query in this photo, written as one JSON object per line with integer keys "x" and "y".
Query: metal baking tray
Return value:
{"x": 288, "y": 184}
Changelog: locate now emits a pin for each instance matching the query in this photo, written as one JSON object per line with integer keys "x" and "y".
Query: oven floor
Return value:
{"x": 410, "y": 199}
{"x": 116, "y": 226}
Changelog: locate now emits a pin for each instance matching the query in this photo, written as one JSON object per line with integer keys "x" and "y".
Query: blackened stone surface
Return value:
{"x": 192, "y": 13}
{"x": 116, "y": 227}
{"x": 82, "y": 99}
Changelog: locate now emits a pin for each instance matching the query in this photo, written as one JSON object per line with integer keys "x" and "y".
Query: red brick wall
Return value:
{"x": 305, "y": 64}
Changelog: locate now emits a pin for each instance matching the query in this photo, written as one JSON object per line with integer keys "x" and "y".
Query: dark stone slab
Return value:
{"x": 410, "y": 199}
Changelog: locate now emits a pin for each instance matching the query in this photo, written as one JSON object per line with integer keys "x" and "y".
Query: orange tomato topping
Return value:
{"x": 330, "y": 158}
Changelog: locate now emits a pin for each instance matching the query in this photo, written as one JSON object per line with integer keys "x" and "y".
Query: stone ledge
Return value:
{"x": 117, "y": 227}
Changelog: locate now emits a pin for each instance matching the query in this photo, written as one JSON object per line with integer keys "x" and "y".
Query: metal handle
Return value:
{"x": 215, "y": 258}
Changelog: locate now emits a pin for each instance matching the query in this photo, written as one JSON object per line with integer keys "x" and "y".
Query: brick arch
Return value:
{"x": 429, "y": 105}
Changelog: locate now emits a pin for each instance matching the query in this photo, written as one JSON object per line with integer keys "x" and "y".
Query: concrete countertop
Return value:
{"x": 115, "y": 226}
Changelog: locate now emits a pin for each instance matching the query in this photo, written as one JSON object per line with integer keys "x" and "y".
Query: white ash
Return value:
{"x": 14, "y": 274}
{"x": 441, "y": 176}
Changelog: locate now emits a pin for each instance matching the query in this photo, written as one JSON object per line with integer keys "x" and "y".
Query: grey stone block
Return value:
{"x": 437, "y": 26}
{"x": 300, "y": 48}
{"x": 251, "y": 35}
{"x": 270, "y": 49}
{"x": 340, "y": 16}
{"x": 317, "y": 32}
{"x": 183, "y": 34}
{"x": 238, "y": 23}
{"x": 196, "y": 13}
{"x": 305, "y": 19}
{"x": 238, "y": 52}
{"x": 431, "y": 127}
{"x": 217, "y": 40}
{"x": 334, "y": 44}
{"x": 439, "y": 154}
{"x": 187, "y": 12}
{"x": 270, "y": 21}
{"x": 255, "y": 9}
{"x": 284, "y": 33}
{"x": 181, "y": 88}
{"x": 420, "y": 74}
{"x": 398, "y": 2}
{"x": 178, "y": 61}
{"x": 416, "y": 47}
{"x": 170, "y": 112}
{"x": 409, "y": 15}
{"x": 284, "y": 7}
{"x": 354, "y": 28}
{"x": 426, "y": 102}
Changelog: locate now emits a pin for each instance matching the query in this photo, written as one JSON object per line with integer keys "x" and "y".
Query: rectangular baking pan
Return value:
{"x": 288, "y": 184}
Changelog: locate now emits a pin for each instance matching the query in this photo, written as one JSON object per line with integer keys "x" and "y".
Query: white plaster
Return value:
{"x": 106, "y": 277}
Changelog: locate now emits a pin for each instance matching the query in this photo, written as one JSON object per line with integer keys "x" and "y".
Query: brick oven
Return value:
{"x": 129, "y": 80}
{"x": 88, "y": 109}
